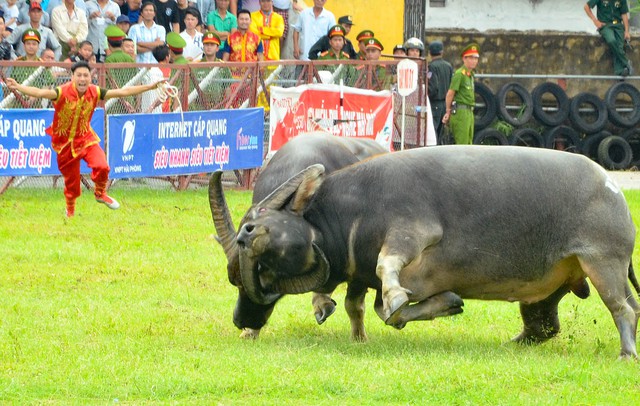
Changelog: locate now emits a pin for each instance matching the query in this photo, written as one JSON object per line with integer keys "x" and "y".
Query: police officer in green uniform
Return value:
{"x": 461, "y": 97}
{"x": 176, "y": 45}
{"x": 115, "y": 36}
{"x": 613, "y": 25}
{"x": 439, "y": 75}
{"x": 381, "y": 79}
{"x": 361, "y": 38}
{"x": 336, "y": 42}
{"x": 336, "y": 51}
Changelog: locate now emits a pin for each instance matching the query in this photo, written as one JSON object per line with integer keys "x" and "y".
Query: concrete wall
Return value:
{"x": 537, "y": 53}
{"x": 521, "y": 15}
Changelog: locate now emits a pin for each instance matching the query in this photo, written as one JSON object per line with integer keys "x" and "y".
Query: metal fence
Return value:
{"x": 210, "y": 86}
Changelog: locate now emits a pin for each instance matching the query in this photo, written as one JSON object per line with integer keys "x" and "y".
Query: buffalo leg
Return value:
{"x": 397, "y": 251}
{"x": 323, "y": 306}
{"x": 250, "y": 317}
{"x": 541, "y": 319}
{"x": 355, "y": 307}
{"x": 440, "y": 305}
{"x": 609, "y": 277}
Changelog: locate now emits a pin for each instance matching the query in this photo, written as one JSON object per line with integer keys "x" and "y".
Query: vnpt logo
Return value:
{"x": 128, "y": 136}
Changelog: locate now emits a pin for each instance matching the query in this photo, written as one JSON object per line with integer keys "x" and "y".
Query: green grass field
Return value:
{"x": 134, "y": 307}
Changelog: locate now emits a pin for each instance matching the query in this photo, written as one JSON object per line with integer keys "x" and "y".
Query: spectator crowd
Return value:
{"x": 243, "y": 30}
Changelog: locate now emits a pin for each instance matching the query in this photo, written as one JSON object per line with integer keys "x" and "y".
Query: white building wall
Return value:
{"x": 519, "y": 15}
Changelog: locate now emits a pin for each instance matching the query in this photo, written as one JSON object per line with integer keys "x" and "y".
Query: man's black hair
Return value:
{"x": 161, "y": 52}
{"x": 243, "y": 11}
{"x": 80, "y": 64}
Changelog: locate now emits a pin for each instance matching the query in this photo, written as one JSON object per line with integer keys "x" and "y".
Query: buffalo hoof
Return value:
{"x": 526, "y": 338}
{"x": 249, "y": 333}
{"x": 397, "y": 305}
{"x": 323, "y": 312}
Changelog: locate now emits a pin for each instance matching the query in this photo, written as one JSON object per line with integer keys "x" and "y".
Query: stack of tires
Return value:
{"x": 584, "y": 124}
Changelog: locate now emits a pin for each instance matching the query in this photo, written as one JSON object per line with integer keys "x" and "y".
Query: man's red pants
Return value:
{"x": 70, "y": 168}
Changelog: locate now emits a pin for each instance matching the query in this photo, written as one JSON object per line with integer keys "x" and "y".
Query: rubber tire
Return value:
{"x": 484, "y": 96}
{"x": 568, "y": 134}
{"x": 527, "y": 137}
{"x": 579, "y": 122}
{"x": 527, "y": 102}
{"x": 490, "y": 136}
{"x": 614, "y": 153}
{"x": 591, "y": 143}
{"x": 633, "y": 138}
{"x": 562, "y": 101}
{"x": 623, "y": 120}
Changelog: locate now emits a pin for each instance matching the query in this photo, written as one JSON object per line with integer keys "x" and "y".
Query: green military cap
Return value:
{"x": 210, "y": 37}
{"x": 336, "y": 30}
{"x": 32, "y": 35}
{"x": 366, "y": 34}
{"x": 114, "y": 33}
{"x": 176, "y": 42}
{"x": 373, "y": 43}
{"x": 471, "y": 50}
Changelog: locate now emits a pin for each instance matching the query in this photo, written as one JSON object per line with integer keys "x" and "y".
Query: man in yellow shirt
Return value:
{"x": 270, "y": 27}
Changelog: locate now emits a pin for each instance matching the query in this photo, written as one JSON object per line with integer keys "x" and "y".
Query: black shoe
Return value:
{"x": 625, "y": 72}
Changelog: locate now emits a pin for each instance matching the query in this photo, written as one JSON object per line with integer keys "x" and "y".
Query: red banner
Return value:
{"x": 340, "y": 110}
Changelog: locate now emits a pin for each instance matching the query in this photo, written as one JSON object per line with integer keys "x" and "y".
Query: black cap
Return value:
{"x": 345, "y": 20}
{"x": 436, "y": 47}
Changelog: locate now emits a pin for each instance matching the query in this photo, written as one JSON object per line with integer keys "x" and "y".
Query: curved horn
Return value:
{"x": 251, "y": 281}
{"x": 223, "y": 224}
{"x": 309, "y": 281}
{"x": 279, "y": 197}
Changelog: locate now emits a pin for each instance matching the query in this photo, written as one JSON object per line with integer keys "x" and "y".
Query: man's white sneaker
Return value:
{"x": 108, "y": 201}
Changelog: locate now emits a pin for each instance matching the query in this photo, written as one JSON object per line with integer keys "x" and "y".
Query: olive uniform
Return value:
{"x": 440, "y": 73}
{"x": 346, "y": 72}
{"x": 115, "y": 35}
{"x": 610, "y": 12}
{"x": 381, "y": 79}
{"x": 462, "y": 83}
{"x": 119, "y": 56}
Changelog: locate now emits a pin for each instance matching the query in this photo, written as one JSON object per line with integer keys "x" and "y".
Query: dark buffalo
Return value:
{"x": 431, "y": 226}
{"x": 315, "y": 148}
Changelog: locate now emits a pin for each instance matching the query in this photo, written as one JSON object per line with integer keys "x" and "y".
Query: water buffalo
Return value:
{"x": 429, "y": 227}
{"x": 300, "y": 152}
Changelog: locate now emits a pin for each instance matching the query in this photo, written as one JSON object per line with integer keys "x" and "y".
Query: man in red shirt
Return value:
{"x": 71, "y": 134}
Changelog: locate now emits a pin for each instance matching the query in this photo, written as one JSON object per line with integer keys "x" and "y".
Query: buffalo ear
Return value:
{"x": 303, "y": 185}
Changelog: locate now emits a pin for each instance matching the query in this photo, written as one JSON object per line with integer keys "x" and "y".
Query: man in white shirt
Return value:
{"x": 313, "y": 23}
{"x": 193, "y": 38}
{"x": 147, "y": 35}
{"x": 102, "y": 13}
{"x": 70, "y": 26}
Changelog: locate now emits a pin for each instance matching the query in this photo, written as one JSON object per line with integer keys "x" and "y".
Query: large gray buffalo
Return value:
{"x": 313, "y": 148}
{"x": 429, "y": 227}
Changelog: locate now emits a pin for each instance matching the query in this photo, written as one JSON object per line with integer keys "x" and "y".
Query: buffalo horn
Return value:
{"x": 251, "y": 281}
{"x": 279, "y": 197}
{"x": 309, "y": 281}
{"x": 223, "y": 224}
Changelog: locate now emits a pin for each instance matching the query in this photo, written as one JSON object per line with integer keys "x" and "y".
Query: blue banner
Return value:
{"x": 143, "y": 145}
{"x": 25, "y": 148}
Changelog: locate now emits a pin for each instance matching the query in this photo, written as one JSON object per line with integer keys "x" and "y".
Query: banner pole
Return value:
{"x": 402, "y": 129}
